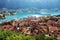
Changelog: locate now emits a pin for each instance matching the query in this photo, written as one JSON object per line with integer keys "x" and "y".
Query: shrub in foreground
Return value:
{"x": 10, "y": 35}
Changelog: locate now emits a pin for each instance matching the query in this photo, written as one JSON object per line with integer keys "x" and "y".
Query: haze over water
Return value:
{"x": 18, "y": 4}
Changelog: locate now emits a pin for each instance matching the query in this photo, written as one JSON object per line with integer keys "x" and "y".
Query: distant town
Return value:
{"x": 5, "y": 12}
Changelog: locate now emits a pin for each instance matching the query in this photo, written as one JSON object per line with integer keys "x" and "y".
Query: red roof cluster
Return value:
{"x": 34, "y": 26}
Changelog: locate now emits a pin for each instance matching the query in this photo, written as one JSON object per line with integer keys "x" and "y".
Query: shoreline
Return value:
{"x": 27, "y": 17}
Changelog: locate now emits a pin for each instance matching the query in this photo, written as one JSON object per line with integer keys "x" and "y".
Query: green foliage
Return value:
{"x": 10, "y": 35}
{"x": 43, "y": 37}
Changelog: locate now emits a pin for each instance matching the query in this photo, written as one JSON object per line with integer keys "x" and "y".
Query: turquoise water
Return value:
{"x": 20, "y": 15}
